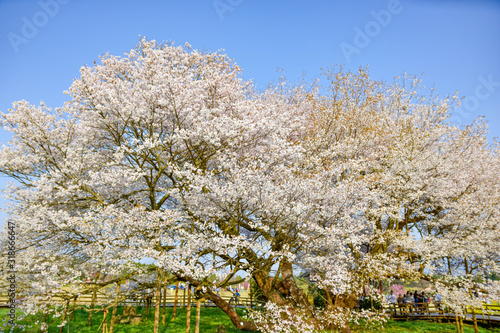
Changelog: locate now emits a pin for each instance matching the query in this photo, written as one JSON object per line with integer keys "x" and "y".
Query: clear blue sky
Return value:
{"x": 455, "y": 44}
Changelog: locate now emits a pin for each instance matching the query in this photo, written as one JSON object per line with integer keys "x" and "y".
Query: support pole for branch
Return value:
{"x": 474, "y": 319}
{"x": 92, "y": 306}
{"x": 184, "y": 297}
{"x": 147, "y": 304}
{"x": 64, "y": 315}
{"x": 457, "y": 322}
{"x": 104, "y": 321}
{"x": 188, "y": 314}
{"x": 94, "y": 297}
{"x": 74, "y": 308}
{"x": 115, "y": 306}
{"x": 198, "y": 310}
{"x": 45, "y": 327}
{"x": 164, "y": 299}
{"x": 175, "y": 299}
{"x": 157, "y": 302}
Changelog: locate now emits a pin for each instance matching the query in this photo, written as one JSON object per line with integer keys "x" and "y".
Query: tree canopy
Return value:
{"x": 166, "y": 154}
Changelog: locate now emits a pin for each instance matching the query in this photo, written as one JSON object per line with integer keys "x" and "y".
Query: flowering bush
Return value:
{"x": 398, "y": 289}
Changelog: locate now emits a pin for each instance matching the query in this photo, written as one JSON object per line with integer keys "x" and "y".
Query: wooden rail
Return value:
{"x": 140, "y": 300}
{"x": 431, "y": 311}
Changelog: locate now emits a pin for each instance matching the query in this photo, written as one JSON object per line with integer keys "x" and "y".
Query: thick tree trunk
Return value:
{"x": 298, "y": 294}
{"x": 281, "y": 292}
{"x": 115, "y": 307}
{"x": 157, "y": 302}
{"x": 329, "y": 303}
{"x": 175, "y": 300}
{"x": 188, "y": 314}
{"x": 287, "y": 288}
{"x": 329, "y": 300}
{"x": 277, "y": 292}
{"x": 268, "y": 291}
{"x": 231, "y": 312}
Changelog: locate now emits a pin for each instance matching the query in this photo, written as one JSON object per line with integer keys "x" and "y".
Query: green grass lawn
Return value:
{"x": 420, "y": 326}
{"x": 211, "y": 318}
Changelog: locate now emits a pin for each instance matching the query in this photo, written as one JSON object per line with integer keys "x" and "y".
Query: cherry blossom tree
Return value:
{"x": 101, "y": 177}
{"x": 167, "y": 155}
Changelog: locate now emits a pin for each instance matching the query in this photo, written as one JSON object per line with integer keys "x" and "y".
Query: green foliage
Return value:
{"x": 319, "y": 296}
{"x": 493, "y": 276}
{"x": 367, "y": 303}
{"x": 257, "y": 294}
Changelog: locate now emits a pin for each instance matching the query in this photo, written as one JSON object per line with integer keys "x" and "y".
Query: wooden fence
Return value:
{"x": 140, "y": 300}
{"x": 415, "y": 311}
{"x": 431, "y": 311}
